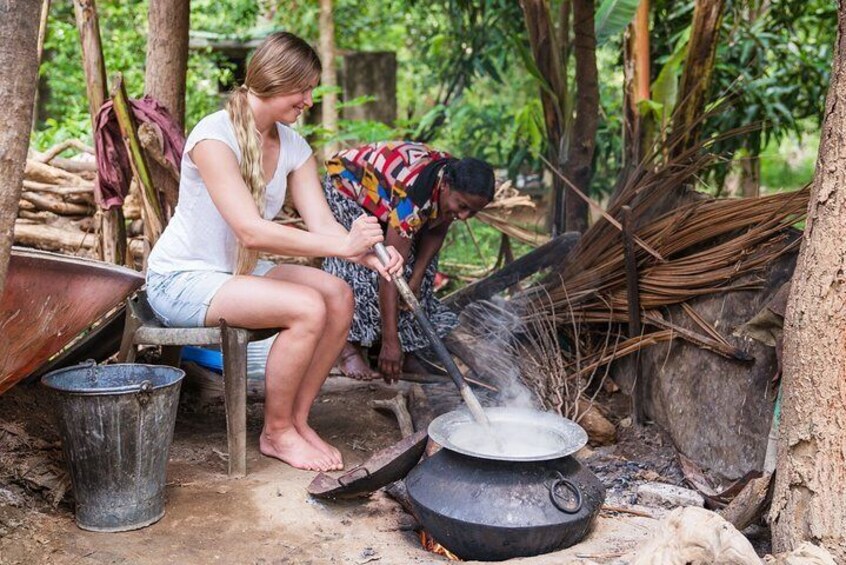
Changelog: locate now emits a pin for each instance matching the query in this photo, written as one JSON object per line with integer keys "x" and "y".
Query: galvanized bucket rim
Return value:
{"x": 99, "y": 391}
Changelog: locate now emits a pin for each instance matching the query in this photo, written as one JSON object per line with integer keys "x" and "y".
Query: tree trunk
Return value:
{"x": 546, "y": 55}
{"x": 329, "y": 77}
{"x": 113, "y": 226}
{"x": 92, "y": 54}
{"x": 42, "y": 34}
{"x": 809, "y": 502}
{"x": 698, "y": 69}
{"x": 164, "y": 80}
{"x": 750, "y": 173}
{"x": 18, "y": 82}
{"x": 583, "y": 144}
{"x": 636, "y": 84}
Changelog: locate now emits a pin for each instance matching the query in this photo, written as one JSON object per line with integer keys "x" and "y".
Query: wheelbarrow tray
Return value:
{"x": 48, "y": 300}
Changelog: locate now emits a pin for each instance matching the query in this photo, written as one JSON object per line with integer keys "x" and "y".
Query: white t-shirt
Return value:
{"x": 197, "y": 237}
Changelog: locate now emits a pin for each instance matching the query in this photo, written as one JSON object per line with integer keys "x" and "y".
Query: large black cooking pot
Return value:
{"x": 491, "y": 507}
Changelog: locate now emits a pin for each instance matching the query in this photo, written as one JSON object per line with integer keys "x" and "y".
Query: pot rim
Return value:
{"x": 573, "y": 435}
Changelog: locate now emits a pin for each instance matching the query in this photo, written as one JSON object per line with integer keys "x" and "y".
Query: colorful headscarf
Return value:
{"x": 396, "y": 181}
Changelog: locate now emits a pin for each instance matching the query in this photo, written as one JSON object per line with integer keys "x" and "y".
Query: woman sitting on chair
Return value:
{"x": 236, "y": 167}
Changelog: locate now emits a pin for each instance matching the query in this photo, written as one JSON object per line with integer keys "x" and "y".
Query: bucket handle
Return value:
{"x": 564, "y": 504}
{"x": 144, "y": 392}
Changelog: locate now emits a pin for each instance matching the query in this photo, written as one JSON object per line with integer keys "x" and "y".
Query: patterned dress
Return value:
{"x": 380, "y": 178}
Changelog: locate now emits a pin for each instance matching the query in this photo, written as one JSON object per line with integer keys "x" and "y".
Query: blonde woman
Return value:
{"x": 236, "y": 168}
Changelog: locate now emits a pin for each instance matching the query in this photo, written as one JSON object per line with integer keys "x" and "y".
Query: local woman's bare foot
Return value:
{"x": 289, "y": 446}
{"x": 353, "y": 365}
{"x": 327, "y": 449}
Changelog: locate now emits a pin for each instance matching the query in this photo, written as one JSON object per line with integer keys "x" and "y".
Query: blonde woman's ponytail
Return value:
{"x": 251, "y": 168}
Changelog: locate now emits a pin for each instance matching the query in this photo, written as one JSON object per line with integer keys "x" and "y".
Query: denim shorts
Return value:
{"x": 181, "y": 299}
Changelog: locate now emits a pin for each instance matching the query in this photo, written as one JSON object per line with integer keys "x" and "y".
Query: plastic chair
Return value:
{"x": 143, "y": 328}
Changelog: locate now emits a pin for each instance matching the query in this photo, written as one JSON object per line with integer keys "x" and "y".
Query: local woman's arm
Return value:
{"x": 390, "y": 356}
{"x": 219, "y": 170}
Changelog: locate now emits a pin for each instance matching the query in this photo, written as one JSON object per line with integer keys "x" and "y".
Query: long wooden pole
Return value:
{"x": 151, "y": 210}
{"x": 113, "y": 226}
{"x": 635, "y": 328}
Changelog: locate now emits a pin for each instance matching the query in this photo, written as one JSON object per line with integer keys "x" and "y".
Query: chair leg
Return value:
{"x": 171, "y": 355}
{"x": 234, "y": 348}
{"x": 127, "y": 344}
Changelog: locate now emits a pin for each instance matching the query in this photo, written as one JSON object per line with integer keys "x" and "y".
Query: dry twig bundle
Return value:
{"x": 699, "y": 248}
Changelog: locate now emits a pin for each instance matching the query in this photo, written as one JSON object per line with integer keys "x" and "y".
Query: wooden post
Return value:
{"x": 151, "y": 210}
{"x": 638, "y": 386}
{"x": 113, "y": 226}
{"x": 372, "y": 73}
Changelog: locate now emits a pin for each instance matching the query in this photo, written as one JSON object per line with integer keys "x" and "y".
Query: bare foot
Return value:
{"x": 327, "y": 449}
{"x": 353, "y": 365}
{"x": 289, "y": 446}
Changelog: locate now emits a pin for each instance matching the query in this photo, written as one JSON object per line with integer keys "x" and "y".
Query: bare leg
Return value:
{"x": 338, "y": 300}
{"x": 260, "y": 302}
{"x": 353, "y": 365}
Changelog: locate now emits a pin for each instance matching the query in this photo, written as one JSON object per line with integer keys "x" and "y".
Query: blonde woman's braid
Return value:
{"x": 251, "y": 167}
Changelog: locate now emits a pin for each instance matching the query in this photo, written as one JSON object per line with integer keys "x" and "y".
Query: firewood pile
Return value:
{"x": 57, "y": 210}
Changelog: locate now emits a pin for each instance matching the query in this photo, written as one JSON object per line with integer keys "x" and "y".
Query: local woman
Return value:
{"x": 416, "y": 192}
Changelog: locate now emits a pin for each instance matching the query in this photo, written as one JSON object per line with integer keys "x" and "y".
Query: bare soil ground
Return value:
{"x": 265, "y": 518}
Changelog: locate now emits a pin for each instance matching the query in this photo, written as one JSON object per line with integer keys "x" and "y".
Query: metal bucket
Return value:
{"x": 116, "y": 423}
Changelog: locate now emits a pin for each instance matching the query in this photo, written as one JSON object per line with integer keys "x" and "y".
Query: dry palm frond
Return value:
{"x": 696, "y": 249}
{"x": 700, "y": 256}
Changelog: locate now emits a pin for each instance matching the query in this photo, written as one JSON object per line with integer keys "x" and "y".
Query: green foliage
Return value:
{"x": 665, "y": 88}
{"x": 66, "y": 105}
{"x": 788, "y": 163}
{"x": 774, "y": 71}
{"x": 123, "y": 35}
{"x": 502, "y": 126}
{"x": 612, "y": 17}
{"x": 466, "y": 79}
{"x": 462, "y": 256}
{"x": 772, "y": 67}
